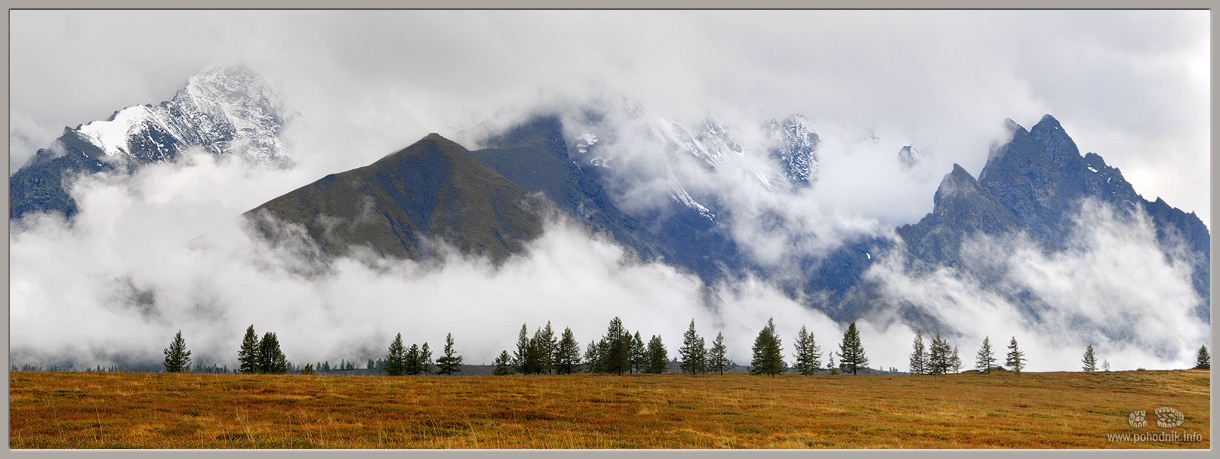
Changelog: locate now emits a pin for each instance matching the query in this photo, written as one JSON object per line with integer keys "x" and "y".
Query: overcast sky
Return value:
{"x": 1132, "y": 86}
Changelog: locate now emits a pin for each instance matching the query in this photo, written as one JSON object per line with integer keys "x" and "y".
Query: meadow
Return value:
{"x": 969, "y": 410}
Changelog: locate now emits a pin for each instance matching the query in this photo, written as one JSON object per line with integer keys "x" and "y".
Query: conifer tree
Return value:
{"x": 1204, "y": 360}
{"x": 270, "y": 359}
{"x": 639, "y": 353}
{"x": 414, "y": 363}
{"x": 716, "y": 359}
{"x": 851, "y": 351}
{"x": 692, "y": 352}
{"x": 808, "y": 354}
{"x": 567, "y": 353}
{"x": 248, "y": 355}
{"x": 521, "y": 357}
{"x": 616, "y": 350}
{"x": 919, "y": 356}
{"x": 396, "y": 358}
{"x": 1089, "y": 360}
{"x": 546, "y": 349}
{"x": 593, "y": 357}
{"x": 177, "y": 358}
{"x": 425, "y": 360}
{"x": 1016, "y": 358}
{"x": 658, "y": 359}
{"x": 533, "y": 354}
{"x": 985, "y": 359}
{"x": 308, "y": 370}
{"x": 768, "y": 352}
{"x": 504, "y": 364}
{"x": 955, "y": 360}
{"x": 939, "y": 359}
{"x": 449, "y": 363}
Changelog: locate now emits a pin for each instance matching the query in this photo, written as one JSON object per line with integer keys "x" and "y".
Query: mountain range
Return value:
{"x": 493, "y": 201}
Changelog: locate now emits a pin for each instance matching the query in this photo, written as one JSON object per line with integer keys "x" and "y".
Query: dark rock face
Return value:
{"x": 40, "y": 187}
{"x": 962, "y": 207}
{"x": 796, "y": 148}
{"x": 432, "y": 190}
{"x": 1035, "y": 183}
{"x": 534, "y": 155}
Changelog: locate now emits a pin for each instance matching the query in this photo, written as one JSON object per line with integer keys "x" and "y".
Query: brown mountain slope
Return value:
{"x": 399, "y": 205}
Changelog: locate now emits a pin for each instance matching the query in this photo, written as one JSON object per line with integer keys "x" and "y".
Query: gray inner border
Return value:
{"x": 598, "y": 4}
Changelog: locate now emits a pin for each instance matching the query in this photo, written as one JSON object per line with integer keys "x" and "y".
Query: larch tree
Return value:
{"x": 521, "y": 357}
{"x": 425, "y": 360}
{"x": 534, "y": 363}
{"x": 270, "y": 358}
{"x": 1089, "y": 360}
{"x": 939, "y": 357}
{"x": 450, "y": 363}
{"x": 919, "y": 356}
{"x": 808, "y": 354}
{"x": 658, "y": 358}
{"x": 567, "y": 353}
{"x": 414, "y": 363}
{"x": 593, "y": 357}
{"x": 503, "y": 364}
{"x": 1016, "y": 358}
{"x": 692, "y": 352}
{"x": 768, "y": 352}
{"x": 547, "y": 342}
{"x": 247, "y": 356}
{"x": 639, "y": 353}
{"x": 955, "y": 360}
{"x": 177, "y": 358}
{"x": 851, "y": 351}
{"x": 985, "y": 359}
{"x": 396, "y": 358}
{"x": 716, "y": 359}
{"x": 1204, "y": 360}
{"x": 615, "y": 353}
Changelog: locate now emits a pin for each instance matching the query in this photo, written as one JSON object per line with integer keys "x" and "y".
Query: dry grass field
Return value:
{"x": 1035, "y": 410}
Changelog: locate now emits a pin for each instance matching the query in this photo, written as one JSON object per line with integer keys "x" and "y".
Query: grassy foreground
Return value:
{"x": 1035, "y": 410}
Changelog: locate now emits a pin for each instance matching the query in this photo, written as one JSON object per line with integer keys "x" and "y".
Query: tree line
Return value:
{"x": 620, "y": 351}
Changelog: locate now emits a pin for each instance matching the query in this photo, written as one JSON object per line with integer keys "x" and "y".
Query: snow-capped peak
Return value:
{"x": 224, "y": 110}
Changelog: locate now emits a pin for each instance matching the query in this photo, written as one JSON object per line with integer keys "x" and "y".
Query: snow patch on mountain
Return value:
{"x": 223, "y": 110}
{"x": 111, "y": 135}
{"x": 794, "y": 146}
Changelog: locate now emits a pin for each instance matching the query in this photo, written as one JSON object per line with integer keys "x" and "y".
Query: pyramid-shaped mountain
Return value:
{"x": 399, "y": 206}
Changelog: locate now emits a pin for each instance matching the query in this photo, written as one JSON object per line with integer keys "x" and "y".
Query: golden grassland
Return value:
{"x": 999, "y": 410}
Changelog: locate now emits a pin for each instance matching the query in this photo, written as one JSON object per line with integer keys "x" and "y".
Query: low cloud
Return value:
{"x": 1114, "y": 288}
{"x": 117, "y": 283}
{"x": 130, "y": 271}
